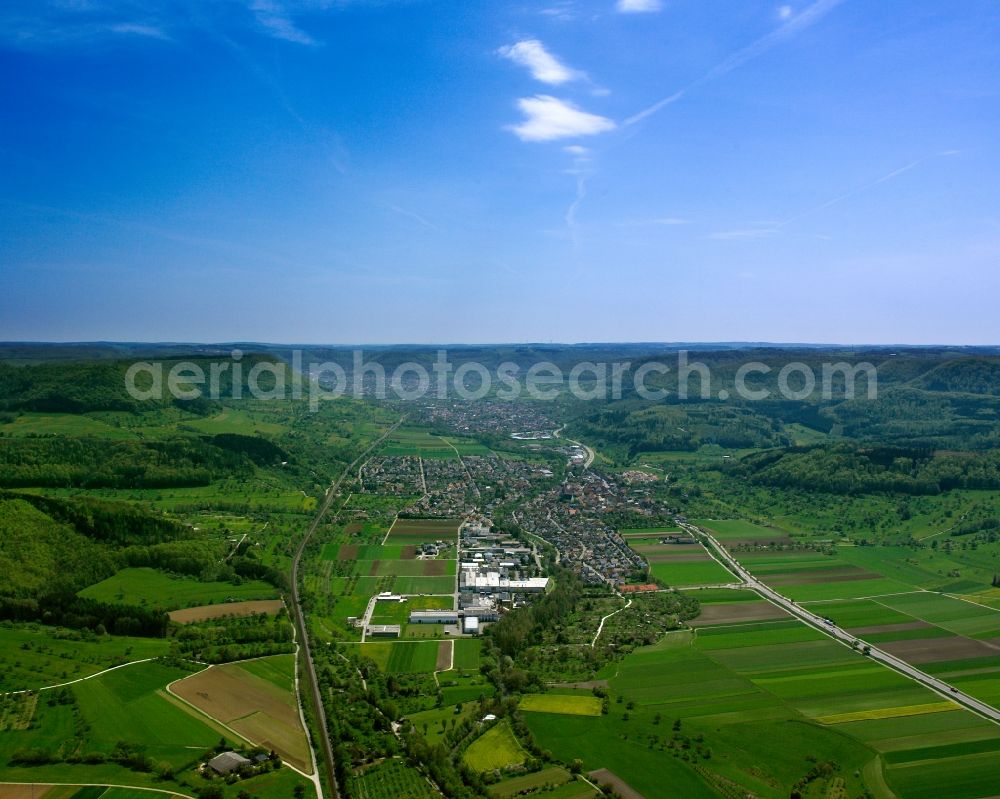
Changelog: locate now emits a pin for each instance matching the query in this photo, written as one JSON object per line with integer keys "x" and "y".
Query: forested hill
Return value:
{"x": 85, "y": 386}
{"x": 846, "y": 469}
{"x": 51, "y": 548}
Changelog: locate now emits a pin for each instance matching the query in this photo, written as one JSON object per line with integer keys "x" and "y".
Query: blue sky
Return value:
{"x": 570, "y": 170}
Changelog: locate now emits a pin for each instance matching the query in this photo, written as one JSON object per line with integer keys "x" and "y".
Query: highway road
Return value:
{"x": 844, "y": 637}
{"x": 299, "y": 616}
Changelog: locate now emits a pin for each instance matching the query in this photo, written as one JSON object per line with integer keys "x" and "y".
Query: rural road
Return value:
{"x": 300, "y": 623}
{"x": 844, "y": 637}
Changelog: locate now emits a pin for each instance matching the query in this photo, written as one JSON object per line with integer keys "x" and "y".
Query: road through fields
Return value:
{"x": 844, "y": 637}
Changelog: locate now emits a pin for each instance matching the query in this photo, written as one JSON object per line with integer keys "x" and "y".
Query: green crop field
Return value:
{"x": 565, "y": 704}
{"x": 127, "y": 705}
{"x": 497, "y": 748}
{"x": 740, "y": 530}
{"x": 762, "y": 692}
{"x": 682, "y": 573}
{"x": 400, "y": 657}
{"x": 467, "y": 653}
{"x": 444, "y": 584}
{"x": 156, "y": 589}
{"x": 406, "y": 568}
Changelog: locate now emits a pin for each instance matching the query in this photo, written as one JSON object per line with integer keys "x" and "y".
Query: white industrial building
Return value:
{"x": 433, "y": 617}
{"x": 491, "y": 583}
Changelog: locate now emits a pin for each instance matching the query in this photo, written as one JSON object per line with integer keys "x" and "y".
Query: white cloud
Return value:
{"x": 548, "y": 118}
{"x": 637, "y": 6}
{"x": 138, "y": 29}
{"x": 576, "y": 149}
{"x": 785, "y": 12}
{"x": 543, "y": 66}
{"x": 273, "y": 17}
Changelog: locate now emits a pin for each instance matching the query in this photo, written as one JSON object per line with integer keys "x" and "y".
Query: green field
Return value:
{"x": 741, "y": 530}
{"x": 152, "y": 588}
{"x": 565, "y": 704}
{"x": 33, "y": 656}
{"x": 495, "y": 749}
{"x": 400, "y": 657}
{"x": 125, "y": 704}
{"x": 415, "y": 441}
{"x": 763, "y": 692}
{"x": 681, "y": 573}
{"x": 517, "y": 786}
{"x": 467, "y": 653}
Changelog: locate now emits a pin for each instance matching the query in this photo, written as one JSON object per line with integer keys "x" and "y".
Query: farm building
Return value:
{"x": 227, "y": 762}
{"x": 433, "y": 617}
{"x": 384, "y": 630}
{"x": 470, "y": 625}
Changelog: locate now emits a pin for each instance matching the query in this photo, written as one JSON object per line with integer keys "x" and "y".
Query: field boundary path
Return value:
{"x": 99, "y": 785}
{"x": 939, "y": 687}
{"x": 300, "y": 624}
{"x": 600, "y": 627}
{"x": 74, "y": 682}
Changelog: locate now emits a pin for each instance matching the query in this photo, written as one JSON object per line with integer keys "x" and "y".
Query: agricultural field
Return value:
{"x": 495, "y": 750}
{"x": 268, "y": 607}
{"x": 130, "y": 704}
{"x": 33, "y": 656}
{"x": 256, "y": 698}
{"x": 544, "y": 782}
{"x": 63, "y": 424}
{"x": 566, "y": 704}
{"x": 733, "y": 532}
{"x": 414, "y": 531}
{"x": 400, "y": 657}
{"x": 467, "y": 653}
{"x": 705, "y": 710}
{"x": 156, "y": 589}
{"x": 360, "y": 560}
{"x": 390, "y": 779}
{"x": 647, "y": 532}
{"x": 678, "y": 571}
{"x": 677, "y": 565}
{"x": 415, "y": 441}
{"x": 805, "y": 575}
{"x": 954, "y": 639}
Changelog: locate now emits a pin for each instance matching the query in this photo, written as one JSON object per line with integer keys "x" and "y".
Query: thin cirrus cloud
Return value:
{"x": 637, "y": 6}
{"x": 543, "y": 66}
{"x": 274, "y": 18}
{"x": 791, "y": 26}
{"x": 548, "y": 118}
